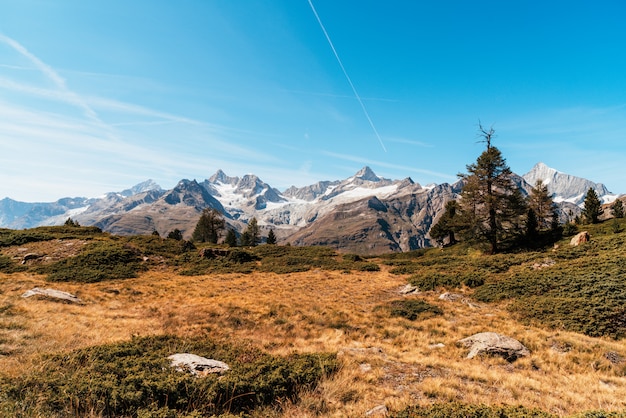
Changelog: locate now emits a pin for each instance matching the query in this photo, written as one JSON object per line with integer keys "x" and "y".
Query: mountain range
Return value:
{"x": 364, "y": 213}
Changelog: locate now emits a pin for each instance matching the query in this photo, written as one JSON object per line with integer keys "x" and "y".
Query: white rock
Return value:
{"x": 53, "y": 294}
{"x": 196, "y": 365}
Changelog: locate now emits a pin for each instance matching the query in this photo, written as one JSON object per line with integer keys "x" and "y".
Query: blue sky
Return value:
{"x": 96, "y": 96}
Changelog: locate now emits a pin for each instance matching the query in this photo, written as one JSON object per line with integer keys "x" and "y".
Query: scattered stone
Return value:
{"x": 409, "y": 289}
{"x": 52, "y": 294}
{"x": 380, "y": 410}
{"x": 548, "y": 262}
{"x": 579, "y": 238}
{"x": 196, "y": 365}
{"x": 493, "y": 344}
{"x": 438, "y": 345}
{"x": 451, "y": 297}
{"x": 365, "y": 367}
{"x": 613, "y": 357}
{"x": 30, "y": 256}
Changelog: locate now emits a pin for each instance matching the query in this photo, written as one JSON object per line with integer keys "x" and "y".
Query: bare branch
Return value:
{"x": 485, "y": 134}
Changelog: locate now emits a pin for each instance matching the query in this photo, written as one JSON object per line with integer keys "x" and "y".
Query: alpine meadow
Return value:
{"x": 312, "y": 209}
{"x": 91, "y": 320}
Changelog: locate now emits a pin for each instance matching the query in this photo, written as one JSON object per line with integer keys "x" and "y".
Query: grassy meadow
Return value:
{"x": 308, "y": 332}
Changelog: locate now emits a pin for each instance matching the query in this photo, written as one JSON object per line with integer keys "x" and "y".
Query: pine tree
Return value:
{"x": 541, "y": 203}
{"x": 209, "y": 226}
{"x": 445, "y": 226}
{"x": 617, "y": 209}
{"x": 251, "y": 236}
{"x": 492, "y": 208}
{"x": 231, "y": 238}
{"x": 271, "y": 237}
{"x": 175, "y": 234}
{"x": 592, "y": 207}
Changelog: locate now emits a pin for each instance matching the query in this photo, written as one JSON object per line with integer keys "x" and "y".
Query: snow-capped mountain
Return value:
{"x": 565, "y": 187}
{"x": 364, "y": 213}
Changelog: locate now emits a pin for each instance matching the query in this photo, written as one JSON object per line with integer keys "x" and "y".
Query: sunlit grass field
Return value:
{"x": 566, "y": 304}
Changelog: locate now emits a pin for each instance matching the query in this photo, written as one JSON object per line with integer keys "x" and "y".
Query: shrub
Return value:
{"x": 100, "y": 261}
{"x": 368, "y": 267}
{"x": 9, "y": 266}
{"x": 128, "y": 378}
{"x": 413, "y": 309}
{"x": 459, "y": 410}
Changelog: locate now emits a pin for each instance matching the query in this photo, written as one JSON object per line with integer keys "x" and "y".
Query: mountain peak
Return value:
{"x": 564, "y": 187}
{"x": 221, "y": 177}
{"x": 144, "y": 186}
{"x": 366, "y": 173}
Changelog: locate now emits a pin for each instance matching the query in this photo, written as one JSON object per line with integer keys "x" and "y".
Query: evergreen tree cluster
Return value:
{"x": 491, "y": 210}
{"x": 211, "y": 225}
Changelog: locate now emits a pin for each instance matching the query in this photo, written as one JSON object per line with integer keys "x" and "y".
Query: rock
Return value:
{"x": 409, "y": 289}
{"x": 196, "y": 365}
{"x": 451, "y": 297}
{"x": 579, "y": 238}
{"x": 613, "y": 357}
{"x": 52, "y": 294}
{"x": 493, "y": 344}
{"x": 548, "y": 262}
{"x": 30, "y": 256}
{"x": 380, "y": 410}
{"x": 438, "y": 345}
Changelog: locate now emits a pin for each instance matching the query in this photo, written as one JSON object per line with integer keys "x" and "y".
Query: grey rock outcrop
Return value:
{"x": 196, "y": 365}
{"x": 493, "y": 344}
{"x": 52, "y": 294}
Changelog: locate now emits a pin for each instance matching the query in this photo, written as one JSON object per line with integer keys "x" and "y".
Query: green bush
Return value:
{"x": 459, "y": 410}
{"x": 368, "y": 267}
{"x": 99, "y": 261}
{"x": 129, "y": 378}
{"x": 413, "y": 309}
{"x": 9, "y": 237}
{"x": 9, "y": 266}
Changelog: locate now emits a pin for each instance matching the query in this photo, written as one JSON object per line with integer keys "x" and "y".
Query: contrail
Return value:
{"x": 356, "y": 94}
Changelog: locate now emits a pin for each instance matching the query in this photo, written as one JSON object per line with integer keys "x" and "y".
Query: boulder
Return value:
{"x": 409, "y": 289}
{"x": 493, "y": 344}
{"x": 52, "y": 294}
{"x": 196, "y": 365}
{"x": 579, "y": 238}
{"x": 450, "y": 297}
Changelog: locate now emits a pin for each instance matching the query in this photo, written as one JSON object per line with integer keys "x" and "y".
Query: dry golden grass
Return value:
{"x": 385, "y": 360}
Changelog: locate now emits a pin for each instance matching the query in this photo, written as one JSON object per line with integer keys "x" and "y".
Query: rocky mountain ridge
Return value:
{"x": 364, "y": 213}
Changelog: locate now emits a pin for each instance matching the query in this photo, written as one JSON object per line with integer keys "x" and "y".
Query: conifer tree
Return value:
{"x": 231, "y": 238}
{"x": 271, "y": 237}
{"x": 251, "y": 236}
{"x": 592, "y": 207}
{"x": 445, "y": 226}
{"x": 209, "y": 226}
{"x": 617, "y": 209}
{"x": 175, "y": 234}
{"x": 491, "y": 207}
{"x": 541, "y": 203}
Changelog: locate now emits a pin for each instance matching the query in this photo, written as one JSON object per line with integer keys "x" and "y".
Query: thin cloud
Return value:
{"x": 52, "y": 75}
